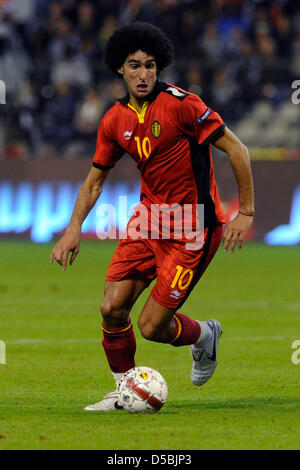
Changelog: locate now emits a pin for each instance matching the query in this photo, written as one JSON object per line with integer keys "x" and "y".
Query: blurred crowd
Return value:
{"x": 233, "y": 53}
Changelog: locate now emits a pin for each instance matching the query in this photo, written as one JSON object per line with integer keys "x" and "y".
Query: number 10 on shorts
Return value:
{"x": 182, "y": 279}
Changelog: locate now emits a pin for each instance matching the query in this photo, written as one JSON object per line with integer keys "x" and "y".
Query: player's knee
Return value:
{"x": 149, "y": 331}
{"x": 112, "y": 313}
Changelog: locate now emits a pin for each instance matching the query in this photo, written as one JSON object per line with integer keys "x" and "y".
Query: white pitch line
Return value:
{"x": 51, "y": 341}
{"x": 214, "y": 304}
{"x": 257, "y": 338}
{"x": 94, "y": 340}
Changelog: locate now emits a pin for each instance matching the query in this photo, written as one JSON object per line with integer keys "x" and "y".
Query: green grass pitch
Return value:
{"x": 49, "y": 320}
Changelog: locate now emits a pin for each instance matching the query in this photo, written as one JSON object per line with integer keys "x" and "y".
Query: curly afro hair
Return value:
{"x": 138, "y": 36}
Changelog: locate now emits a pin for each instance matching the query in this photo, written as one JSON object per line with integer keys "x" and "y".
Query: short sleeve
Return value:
{"x": 197, "y": 120}
{"x": 108, "y": 152}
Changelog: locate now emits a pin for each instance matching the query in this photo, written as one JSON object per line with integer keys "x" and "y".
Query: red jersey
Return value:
{"x": 170, "y": 142}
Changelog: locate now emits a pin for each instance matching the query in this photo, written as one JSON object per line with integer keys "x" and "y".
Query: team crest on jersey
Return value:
{"x": 155, "y": 129}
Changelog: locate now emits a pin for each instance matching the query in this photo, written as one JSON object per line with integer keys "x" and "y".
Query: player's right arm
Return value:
{"x": 86, "y": 199}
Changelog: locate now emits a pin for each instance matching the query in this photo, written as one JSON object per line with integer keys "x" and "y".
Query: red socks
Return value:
{"x": 119, "y": 345}
{"x": 187, "y": 330}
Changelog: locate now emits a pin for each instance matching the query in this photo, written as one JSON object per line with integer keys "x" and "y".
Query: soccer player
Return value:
{"x": 168, "y": 132}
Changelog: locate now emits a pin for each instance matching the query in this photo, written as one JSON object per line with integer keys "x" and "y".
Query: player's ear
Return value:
{"x": 121, "y": 70}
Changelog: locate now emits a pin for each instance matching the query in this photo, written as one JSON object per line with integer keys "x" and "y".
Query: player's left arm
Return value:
{"x": 240, "y": 161}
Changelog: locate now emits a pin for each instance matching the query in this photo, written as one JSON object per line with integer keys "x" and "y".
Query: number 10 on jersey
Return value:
{"x": 144, "y": 147}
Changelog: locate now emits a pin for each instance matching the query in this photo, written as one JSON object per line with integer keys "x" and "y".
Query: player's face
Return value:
{"x": 139, "y": 72}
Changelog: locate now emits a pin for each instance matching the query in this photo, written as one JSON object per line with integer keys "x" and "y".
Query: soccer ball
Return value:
{"x": 142, "y": 390}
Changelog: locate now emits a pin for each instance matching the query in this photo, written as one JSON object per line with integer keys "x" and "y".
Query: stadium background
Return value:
{"x": 242, "y": 57}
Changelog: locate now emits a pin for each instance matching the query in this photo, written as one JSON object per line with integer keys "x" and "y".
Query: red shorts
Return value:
{"x": 177, "y": 269}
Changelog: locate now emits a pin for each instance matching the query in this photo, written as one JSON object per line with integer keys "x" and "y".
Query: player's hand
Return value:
{"x": 235, "y": 231}
{"x": 69, "y": 243}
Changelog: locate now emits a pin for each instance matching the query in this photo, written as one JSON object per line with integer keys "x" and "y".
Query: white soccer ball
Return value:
{"x": 142, "y": 390}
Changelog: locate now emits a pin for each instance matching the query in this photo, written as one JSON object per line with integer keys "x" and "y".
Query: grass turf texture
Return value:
{"x": 55, "y": 363}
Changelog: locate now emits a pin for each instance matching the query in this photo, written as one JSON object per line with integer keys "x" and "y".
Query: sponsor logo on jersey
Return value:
{"x": 155, "y": 129}
{"x": 127, "y": 135}
{"x": 175, "y": 92}
{"x": 204, "y": 116}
